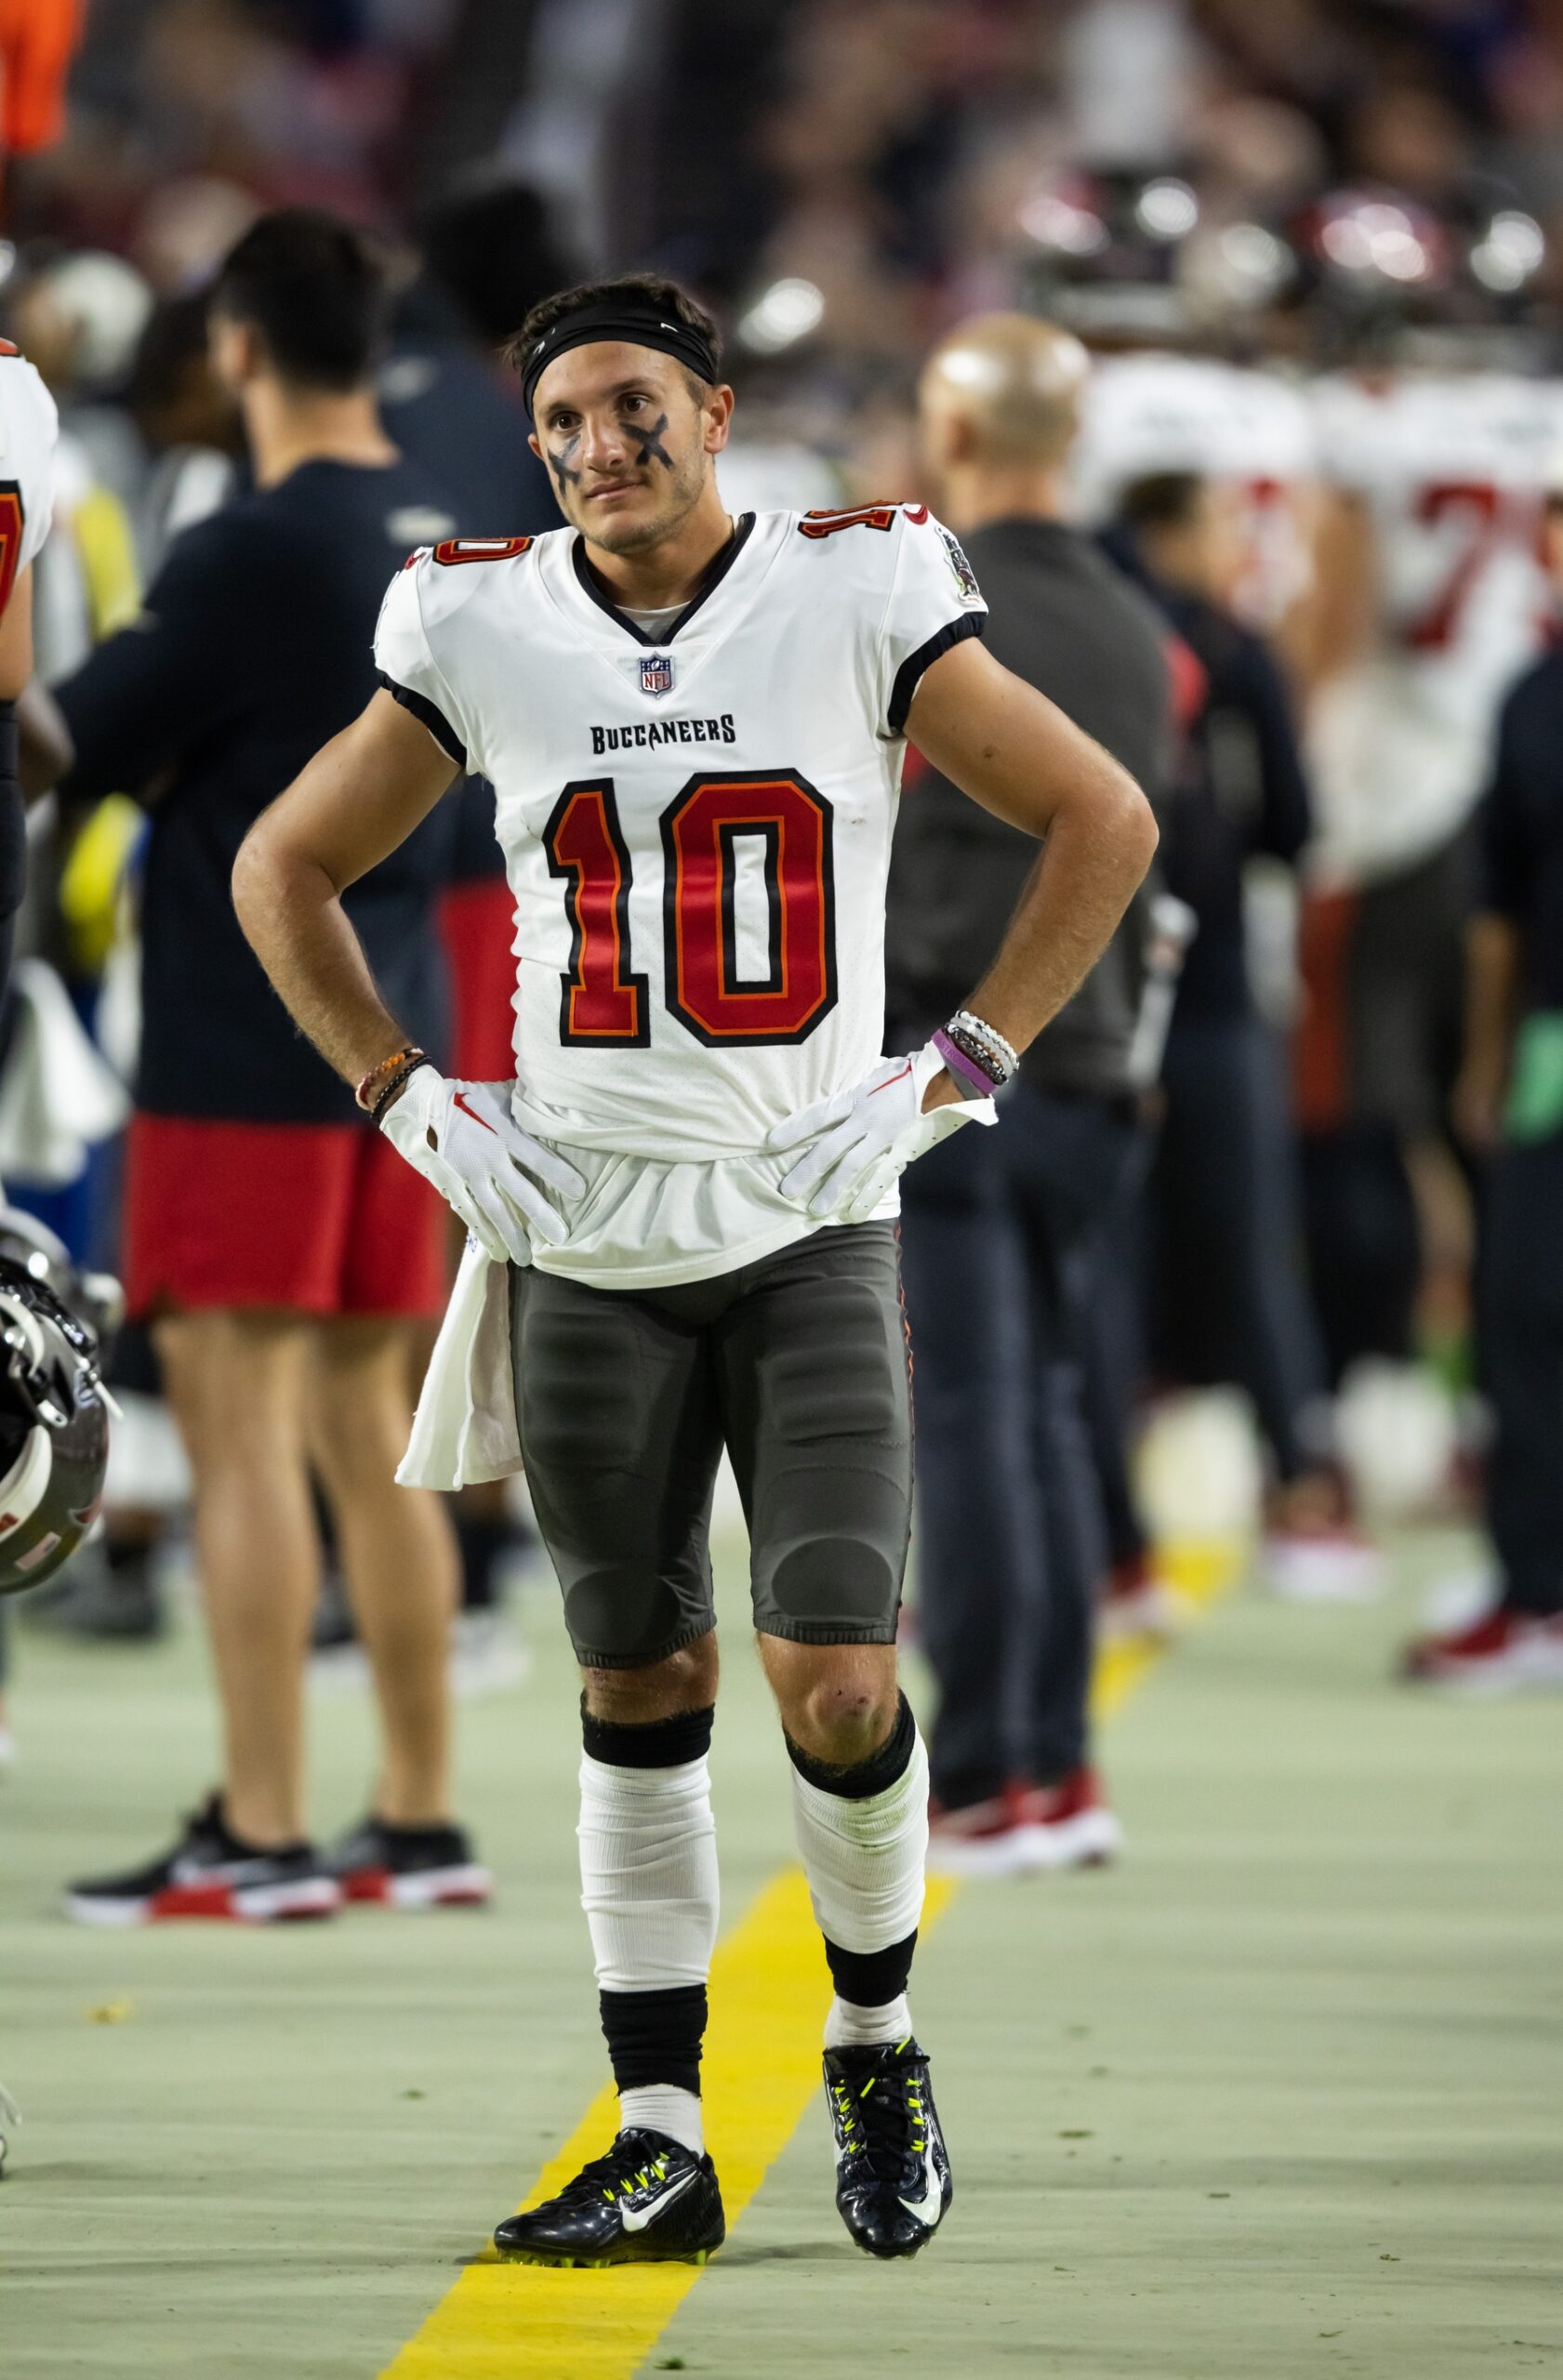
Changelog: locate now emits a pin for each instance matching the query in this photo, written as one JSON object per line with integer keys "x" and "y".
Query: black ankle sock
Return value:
{"x": 654, "y": 2036}
{"x": 870, "y": 1977}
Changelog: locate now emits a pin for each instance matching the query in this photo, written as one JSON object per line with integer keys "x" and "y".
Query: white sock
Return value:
{"x": 849, "y": 2027}
{"x": 648, "y": 1874}
{"x": 864, "y": 1860}
{"x": 662, "y": 2107}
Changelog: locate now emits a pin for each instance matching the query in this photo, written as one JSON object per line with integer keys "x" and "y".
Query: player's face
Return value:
{"x": 628, "y": 446}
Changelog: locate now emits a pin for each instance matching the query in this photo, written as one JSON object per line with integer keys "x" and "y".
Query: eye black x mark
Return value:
{"x": 560, "y": 462}
{"x": 650, "y": 441}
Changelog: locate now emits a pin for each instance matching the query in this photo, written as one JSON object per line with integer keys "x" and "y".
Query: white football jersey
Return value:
{"x": 28, "y": 427}
{"x": 1452, "y": 468}
{"x": 697, "y": 827}
{"x": 1148, "y": 413}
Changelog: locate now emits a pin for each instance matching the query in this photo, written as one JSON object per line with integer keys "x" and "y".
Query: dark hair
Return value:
{"x": 650, "y": 289}
{"x": 312, "y": 287}
{"x": 174, "y": 340}
{"x": 491, "y": 250}
{"x": 1161, "y": 500}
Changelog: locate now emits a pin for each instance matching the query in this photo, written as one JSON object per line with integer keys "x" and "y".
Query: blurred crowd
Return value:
{"x": 1316, "y": 250}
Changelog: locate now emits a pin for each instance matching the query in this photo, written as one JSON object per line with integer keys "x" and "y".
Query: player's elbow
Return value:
{"x": 258, "y": 880}
{"x": 1141, "y": 833}
{"x": 1123, "y": 820}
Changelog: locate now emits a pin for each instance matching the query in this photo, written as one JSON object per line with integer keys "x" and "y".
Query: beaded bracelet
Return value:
{"x": 397, "y": 1084}
{"x": 988, "y": 1064}
{"x": 989, "y": 1034}
{"x": 366, "y": 1095}
{"x": 968, "y": 1078}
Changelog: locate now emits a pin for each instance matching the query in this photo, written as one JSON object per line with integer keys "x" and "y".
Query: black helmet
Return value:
{"x": 54, "y": 1424}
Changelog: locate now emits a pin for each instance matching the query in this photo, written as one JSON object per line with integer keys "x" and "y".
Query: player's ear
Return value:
{"x": 535, "y": 444}
{"x": 716, "y": 413}
{"x": 235, "y": 351}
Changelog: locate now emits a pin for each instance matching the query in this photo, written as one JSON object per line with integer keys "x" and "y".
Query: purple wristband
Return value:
{"x": 963, "y": 1067}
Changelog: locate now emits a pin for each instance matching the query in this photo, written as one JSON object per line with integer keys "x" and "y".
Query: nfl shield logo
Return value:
{"x": 656, "y": 673}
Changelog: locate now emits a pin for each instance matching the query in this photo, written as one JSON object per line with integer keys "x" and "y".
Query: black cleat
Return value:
{"x": 893, "y": 2177}
{"x": 649, "y": 2200}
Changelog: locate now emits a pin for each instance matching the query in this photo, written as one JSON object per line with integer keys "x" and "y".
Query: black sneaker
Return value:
{"x": 409, "y": 1867}
{"x": 211, "y": 1873}
{"x": 649, "y": 2200}
{"x": 893, "y": 2177}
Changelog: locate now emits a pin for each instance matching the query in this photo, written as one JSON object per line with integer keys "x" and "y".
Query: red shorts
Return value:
{"x": 477, "y": 926}
{"x": 313, "y": 1217}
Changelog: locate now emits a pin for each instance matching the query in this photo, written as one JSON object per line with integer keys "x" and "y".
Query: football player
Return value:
{"x": 1434, "y": 597}
{"x": 1247, "y": 430}
{"x": 683, "y": 1211}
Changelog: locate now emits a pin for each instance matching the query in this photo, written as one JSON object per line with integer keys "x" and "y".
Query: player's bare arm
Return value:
{"x": 1015, "y": 753}
{"x": 361, "y": 797}
{"x": 16, "y": 638}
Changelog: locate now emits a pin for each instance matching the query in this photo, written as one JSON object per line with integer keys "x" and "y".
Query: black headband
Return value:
{"x": 613, "y": 318}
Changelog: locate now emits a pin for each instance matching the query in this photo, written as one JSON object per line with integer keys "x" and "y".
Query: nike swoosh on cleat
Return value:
{"x": 636, "y": 2218}
{"x": 928, "y": 2207}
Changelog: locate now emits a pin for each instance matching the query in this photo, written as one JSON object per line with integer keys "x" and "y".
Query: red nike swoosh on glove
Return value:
{"x": 460, "y": 1101}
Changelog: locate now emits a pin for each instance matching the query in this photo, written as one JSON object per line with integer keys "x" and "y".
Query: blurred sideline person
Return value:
{"x": 701, "y": 1087}
{"x": 282, "y": 1254}
{"x": 1227, "y": 1203}
{"x": 1431, "y": 597}
{"x": 1002, "y": 1232}
{"x": 1509, "y": 1102}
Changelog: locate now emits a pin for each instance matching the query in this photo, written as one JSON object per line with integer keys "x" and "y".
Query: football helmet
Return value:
{"x": 54, "y": 1409}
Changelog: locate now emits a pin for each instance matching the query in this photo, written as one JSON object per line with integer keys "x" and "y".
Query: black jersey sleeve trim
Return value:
{"x": 909, "y": 675}
{"x": 430, "y": 716}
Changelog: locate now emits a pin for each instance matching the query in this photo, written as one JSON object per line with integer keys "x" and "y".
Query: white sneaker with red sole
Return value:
{"x": 410, "y": 1866}
{"x": 1331, "y": 1564}
{"x": 211, "y": 1873}
{"x": 1503, "y": 1652}
{"x": 1069, "y": 1825}
{"x": 984, "y": 1839}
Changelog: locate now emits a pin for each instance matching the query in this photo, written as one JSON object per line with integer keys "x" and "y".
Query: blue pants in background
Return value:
{"x": 1002, "y": 1232}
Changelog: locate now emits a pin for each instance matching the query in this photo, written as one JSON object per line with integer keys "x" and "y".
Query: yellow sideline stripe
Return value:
{"x": 507, "y": 2322}
{"x": 1201, "y": 1573}
{"x": 769, "y": 1984}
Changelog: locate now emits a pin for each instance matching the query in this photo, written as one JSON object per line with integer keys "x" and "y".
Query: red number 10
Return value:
{"x": 603, "y": 1002}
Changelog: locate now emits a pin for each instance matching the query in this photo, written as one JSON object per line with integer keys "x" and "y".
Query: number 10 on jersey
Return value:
{"x": 727, "y": 840}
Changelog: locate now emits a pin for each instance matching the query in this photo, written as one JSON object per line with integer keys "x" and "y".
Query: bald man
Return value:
{"x": 1003, "y": 1232}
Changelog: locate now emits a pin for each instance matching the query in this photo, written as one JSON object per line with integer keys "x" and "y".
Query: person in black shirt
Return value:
{"x": 284, "y": 1255}
{"x": 1232, "y": 1297}
{"x": 1002, "y": 1242}
{"x": 1508, "y": 1107}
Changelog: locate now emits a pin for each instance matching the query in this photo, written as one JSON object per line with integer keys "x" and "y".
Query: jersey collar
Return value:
{"x": 713, "y": 578}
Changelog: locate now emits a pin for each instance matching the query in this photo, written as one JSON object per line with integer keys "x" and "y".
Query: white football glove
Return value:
{"x": 863, "y": 1139}
{"x": 461, "y": 1137}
